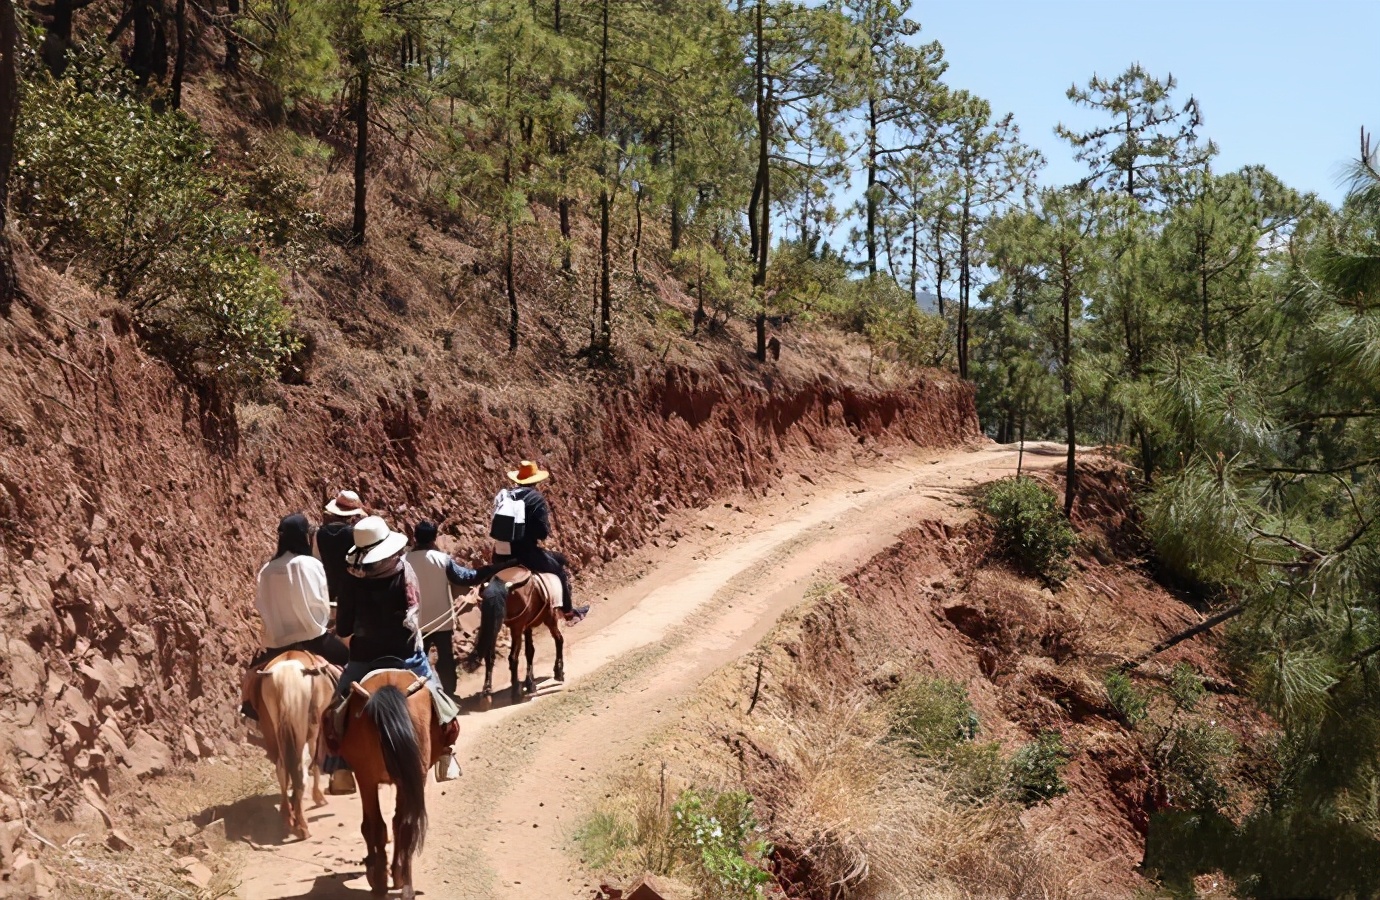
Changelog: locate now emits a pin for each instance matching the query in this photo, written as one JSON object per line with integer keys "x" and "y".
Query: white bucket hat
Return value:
{"x": 346, "y": 504}
{"x": 374, "y": 541}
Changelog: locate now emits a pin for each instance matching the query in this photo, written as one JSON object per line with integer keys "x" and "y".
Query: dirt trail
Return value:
{"x": 504, "y": 829}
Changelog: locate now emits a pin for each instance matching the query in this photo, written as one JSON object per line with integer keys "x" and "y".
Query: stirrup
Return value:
{"x": 342, "y": 782}
{"x": 447, "y": 768}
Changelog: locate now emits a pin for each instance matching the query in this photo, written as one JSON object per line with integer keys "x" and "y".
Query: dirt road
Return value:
{"x": 677, "y": 613}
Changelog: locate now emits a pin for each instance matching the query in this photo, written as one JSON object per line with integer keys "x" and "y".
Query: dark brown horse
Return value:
{"x": 522, "y": 601}
{"x": 392, "y": 738}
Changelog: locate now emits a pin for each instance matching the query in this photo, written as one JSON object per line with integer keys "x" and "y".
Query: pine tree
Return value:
{"x": 1273, "y": 509}
{"x": 903, "y": 101}
{"x": 801, "y": 79}
{"x": 1149, "y": 139}
{"x": 990, "y": 168}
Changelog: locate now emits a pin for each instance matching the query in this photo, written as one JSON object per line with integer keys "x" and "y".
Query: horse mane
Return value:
{"x": 402, "y": 757}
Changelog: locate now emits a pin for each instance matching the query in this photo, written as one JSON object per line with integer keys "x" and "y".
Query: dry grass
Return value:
{"x": 864, "y": 819}
{"x": 85, "y": 869}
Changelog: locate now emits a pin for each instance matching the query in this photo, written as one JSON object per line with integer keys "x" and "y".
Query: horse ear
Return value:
{"x": 359, "y": 689}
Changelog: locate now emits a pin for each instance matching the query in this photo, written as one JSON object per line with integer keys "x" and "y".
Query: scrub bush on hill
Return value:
{"x": 130, "y": 193}
{"x": 934, "y": 719}
{"x": 1030, "y": 530}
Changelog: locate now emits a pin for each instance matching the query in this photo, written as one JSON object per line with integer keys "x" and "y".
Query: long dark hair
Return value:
{"x": 294, "y": 535}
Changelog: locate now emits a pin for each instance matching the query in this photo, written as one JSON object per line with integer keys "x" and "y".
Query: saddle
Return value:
{"x": 311, "y": 664}
{"x": 547, "y": 583}
{"x": 336, "y": 719}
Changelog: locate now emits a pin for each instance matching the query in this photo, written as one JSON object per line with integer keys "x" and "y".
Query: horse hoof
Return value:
{"x": 408, "y": 893}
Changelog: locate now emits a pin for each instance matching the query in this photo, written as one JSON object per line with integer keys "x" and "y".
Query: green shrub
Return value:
{"x": 1030, "y": 529}
{"x": 130, "y": 193}
{"x": 1037, "y": 769}
{"x": 1129, "y": 703}
{"x": 978, "y": 772}
{"x": 932, "y": 716}
{"x": 719, "y": 838}
{"x": 1195, "y": 764}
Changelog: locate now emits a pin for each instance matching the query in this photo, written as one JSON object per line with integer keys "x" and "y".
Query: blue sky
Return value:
{"x": 1285, "y": 84}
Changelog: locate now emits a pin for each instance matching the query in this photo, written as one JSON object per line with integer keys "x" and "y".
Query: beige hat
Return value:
{"x": 346, "y": 504}
{"x": 528, "y": 472}
{"x": 374, "y": 541}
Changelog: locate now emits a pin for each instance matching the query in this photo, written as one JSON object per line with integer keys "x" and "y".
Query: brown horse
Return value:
{"x": 522, "y": 601}
{"x": 392, "y": 738}
{"x": 294, "y": 689}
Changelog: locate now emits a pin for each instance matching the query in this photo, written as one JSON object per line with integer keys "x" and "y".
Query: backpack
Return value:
{"x": 510, "y": 517}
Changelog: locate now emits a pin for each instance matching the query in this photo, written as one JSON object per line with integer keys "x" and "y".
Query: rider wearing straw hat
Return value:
{"x": 526, "y": 550}
{"x": 336, "y": 536}
{"x": 378, "y": 613}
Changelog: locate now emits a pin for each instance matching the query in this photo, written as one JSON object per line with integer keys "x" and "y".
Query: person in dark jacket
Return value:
{"x": 526, "y": 549}
{"x": 378, "y": 616}
{"x": 335, "y": 537}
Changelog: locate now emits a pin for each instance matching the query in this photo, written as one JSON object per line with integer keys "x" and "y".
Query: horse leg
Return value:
{"x": 284, "y": 781}
{"x": 513, "y": 654}
{"x": 318, "y": 799}
{"x": 553, "y": 623}
{"x": 530, "y": 685}
{"x": 375, "y": 833}
{"x": 402, "y": 860}
{"x": 313, "y": 748}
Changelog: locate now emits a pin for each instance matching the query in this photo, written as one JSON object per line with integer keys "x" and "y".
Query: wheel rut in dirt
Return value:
{"x": 504, "y": 829}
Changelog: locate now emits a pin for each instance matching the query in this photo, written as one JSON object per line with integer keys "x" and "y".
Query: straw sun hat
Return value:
{"x": 528, "y": 472}
{"x": 374, "y": 541}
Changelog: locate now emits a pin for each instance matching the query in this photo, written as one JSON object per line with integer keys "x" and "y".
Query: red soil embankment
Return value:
{"x": 128, "y": 541}
{"x": 1032, "y": 660}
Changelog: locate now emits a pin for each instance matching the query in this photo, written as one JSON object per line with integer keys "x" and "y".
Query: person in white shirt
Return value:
{"x": 293, "y": 606}
{"x": 436, "y": 572}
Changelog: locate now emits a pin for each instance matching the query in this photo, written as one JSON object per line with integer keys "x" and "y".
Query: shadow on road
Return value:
{"x": 475, "y": 704}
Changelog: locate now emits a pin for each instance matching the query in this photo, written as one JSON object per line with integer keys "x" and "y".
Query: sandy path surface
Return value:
{"x": 675, "y": 615}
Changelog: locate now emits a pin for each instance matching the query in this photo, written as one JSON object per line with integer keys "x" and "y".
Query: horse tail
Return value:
{"x": 493, "y": 609}
{"x": 292, "y": 692}
{"x": 402, "y": 757}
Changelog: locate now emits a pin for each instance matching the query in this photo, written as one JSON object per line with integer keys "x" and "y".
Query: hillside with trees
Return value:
{"x": 405, "y": 203}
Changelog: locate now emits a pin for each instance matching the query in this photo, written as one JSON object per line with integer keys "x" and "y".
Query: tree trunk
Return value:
{"x": 57, "y": 36}
{"x": 915, "y": 259}
{"x": 180, "y": 61}
{"x": 871, "y": 186}
{"x": 939, "y": 271}
{"x": 764, "y": 120}
{"x": 232, "y": 37}
{"x": 510, "y": 286}
{"x": 605, "y": 259}
{"x": 563, "y": 211}
{"x": 1070, "y": 473}
{"x": 9, "y": 120}
{"x": 357, "y": 229}
{"x": 143, "y": 55}
{"x": 637, "y": 232}
{"x": 964, "y": 276}
{"x": 1203, "y": 268}
{"x": 675, "y": 196}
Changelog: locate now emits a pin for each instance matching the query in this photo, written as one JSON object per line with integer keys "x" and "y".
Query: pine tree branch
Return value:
{"x": 1309, "y": 470}
{"x": 1188, "y": 634}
